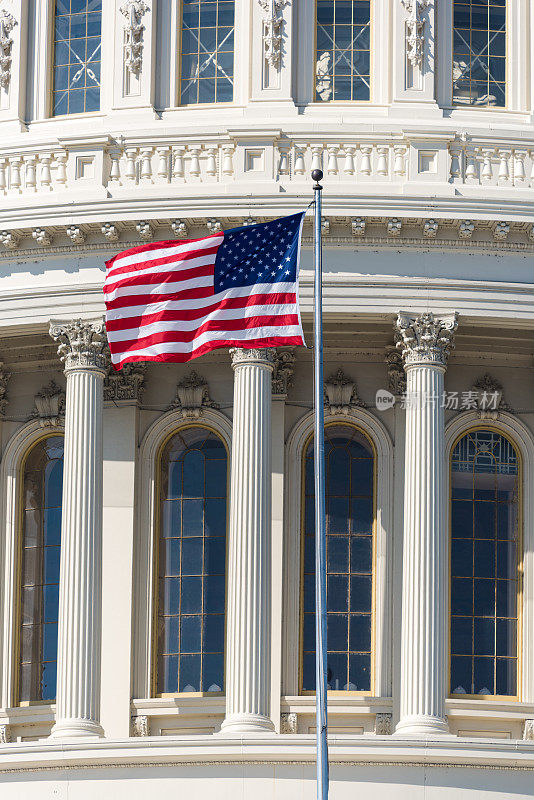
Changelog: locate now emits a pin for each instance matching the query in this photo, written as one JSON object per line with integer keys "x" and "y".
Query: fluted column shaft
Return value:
{"x": 425, "y": 342}
{"x": 249, "y": 556}
{"x": 80, "y": 607}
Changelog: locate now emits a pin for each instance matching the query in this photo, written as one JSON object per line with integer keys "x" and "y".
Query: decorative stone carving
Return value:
{"x": 7, "y": 23}
{"x": 283, "y": 371}
{"x": 126, "y": 383}
{"x": 250, "y": 221}
{"x": 192, "y": 395}
{"x": 383, "y": 724}
{"x": 426, "y": 339}
{"x": 488, "y": 397}
{"x": 214, "y": 225}
{"x": 133, "y": 10}
{"x": 273, "y": 23}
{"x": 110, "y": 231}
{"x": 340, "y": 394}
{"x": 41, "y": 237}
{"x": 144, "y": 229}
{"x": 288, "y": 723}
{"x": 5, "y": 734}
{"x": 9, "y": 239}
{"x": 4, "y": 380}
{"x": 50, "y": 405}
{"x": 396, "y": 374}
{"x": 358, "y": 226}
{"x": 394, "y": 227}
{"x": 430, "y": 228}
{"x": 415, "y": 31}
{"x": 501, "y": 231}
{"x": 179, "y": 228}
{"x": 465, "y": 231}
{"x": 140, "y": 725}
{"x": 75, "y": 234}
{"x": 528, "y": 730}
{"x": 81, "y": 344}
{"x": 325, "y": 226}
{"x": 249, "y": 355}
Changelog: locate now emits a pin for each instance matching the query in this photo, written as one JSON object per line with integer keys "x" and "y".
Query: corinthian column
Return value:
{"x": 80, "y": 607}
{"x": 248, "y": 667}
{"x": 425, "y": 342}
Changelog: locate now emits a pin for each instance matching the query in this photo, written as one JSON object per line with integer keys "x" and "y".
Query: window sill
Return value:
{"x": 170, "y": 716}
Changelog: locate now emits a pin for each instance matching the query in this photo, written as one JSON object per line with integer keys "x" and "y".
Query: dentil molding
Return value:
{"x": 426, "y": 340}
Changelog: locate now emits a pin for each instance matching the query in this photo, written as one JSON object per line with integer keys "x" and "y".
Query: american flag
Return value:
{"x": 174, "y": 301}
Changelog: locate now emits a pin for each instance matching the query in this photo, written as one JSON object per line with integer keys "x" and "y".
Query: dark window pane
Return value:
{"x": 192, "y": 556}
{"x": 342, "y": 51}
{"x": 462, "y": 558}
{"x": 484, "y": 636}
{"x": 213, "y": 672}
{"x": 337, "y": 553}
{"x": 193, "y": 517}
{"x": 360, "y": 632}
{"x": 214, "y": 594}
{"x": 337, "y": 671}
{"x": 506, "y": 676}
{"x": 461, "y": 675}
{"x": 360, "y": 593}
{"x": 213, "y": 633}
{"x": 461, "y": 635}
{"x": 190, "y": 634}
{"x": 361, "y": 554}
{"x": 360, "y": 672}
{"x": 479, "y": 36}
{"x": 189, "y": 673}
{"x": 337, "y": 632}
{"x": 337, "y": 593}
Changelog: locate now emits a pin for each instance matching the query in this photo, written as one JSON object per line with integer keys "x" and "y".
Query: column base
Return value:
{"x": 422, "y": 726}
{"x": 76, "y": 729}
{"x": 246, "y": 725}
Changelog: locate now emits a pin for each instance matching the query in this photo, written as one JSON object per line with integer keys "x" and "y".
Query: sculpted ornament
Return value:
{"x": 273, "y": 23}
{"x": 396, "y": 374}
{"x": 241, "y": 355}
{"x": 415, "y": 31}
{"x": 426, "y": 340}
{"x": 7, "y": 23}
{"x": 126, "y": 383}
{"x": 50, "y": 406}
{"x": 192, "y": 395}
{"x": 488, "y": 396}
{"x": 4, "y": 379}
{"x": 283, "y": 371}
{"x": 288, "y": 723}
{"x": 5, "y": 734}
{"x": 81, "y": 344}
{"x": 340, "y": 394}
{"x": 383, "y": 724}
{"x": 134, "y": 11}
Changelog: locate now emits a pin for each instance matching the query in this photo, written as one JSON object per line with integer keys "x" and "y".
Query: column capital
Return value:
{"x": 261, "y": 357}
{"x": 425, "y": 340}
{"x": 81, "y": 344}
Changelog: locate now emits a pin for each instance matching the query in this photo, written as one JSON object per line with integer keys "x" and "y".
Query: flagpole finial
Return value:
{"x": 317, "y": 175}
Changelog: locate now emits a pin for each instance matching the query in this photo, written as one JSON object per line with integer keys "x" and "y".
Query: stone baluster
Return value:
{"x": 365, "y": 166}
{"x": 487, "y": 169}
{"x": 504, "y": 170}
{"x": 211, "y": 164}
{"x": 228, "y": 161}
{"x": 249, "y": 576}
{"x": 46, "y": 175}
{"x": 3, "y": 182}
{"x": 178, "y": 162}
{"x": 519, "y": 166}
{"x": 115, "y": 169}
{"x": 61, "y": 165}
{"x": 382, "y": 164}
{"x": 300, "y": 166}
{"x": 15, "y": 165}
{"x": 317, "y": 157}
{"x": 163, "y": 162}
{"x": 348, "y": 167}
{"x": 332, "y": 167}
{"x": 130, "y": 172}
{"x": 80, "y": 610}
{"x": 31, "y": 178}
{"x": 146, "y": 164}
{"x": 425, "y": 342}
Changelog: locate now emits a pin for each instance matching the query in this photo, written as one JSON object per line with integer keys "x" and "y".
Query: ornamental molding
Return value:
{"x": 487, "y": 397}
{"x": 133, "y": 10}
{"x": 528, "y": 730}
{"x": 7, "y": 23}
{"x": 289, "y": 723}
{"x": 140, "y": 725}
{"x": 126, "y": 383}
{"x": 273, "y": 24}
{"x": 340, "y": 395}
{"x": 415, "y": 31}
{"x": 284, "y": 361}
{"x": 81, "y": 345}
{"x": 425, "y": 340}
{"x": 192, "y": 396}
{"x": 383, "y": 724}
{"x": 49, "y": 407}
{"x": 242, "y": 356}
{"x": 396, "y": 373}
{"x": 5, "y": 734}
{"x": 4, "y": 380}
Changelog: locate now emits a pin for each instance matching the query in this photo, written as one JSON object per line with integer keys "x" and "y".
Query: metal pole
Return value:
{"x": 320, "y": 511}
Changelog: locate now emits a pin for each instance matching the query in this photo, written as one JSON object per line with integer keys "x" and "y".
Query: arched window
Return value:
{"x": 192, "y": 563}
{"x": 207, "y": 48}
{"x": 343, "y": 45}
{"x": 39, "y": 570}
{"x": 350, "y": 515}
{"x": 77, "y": 56}
{"x": 479, "y": 53}
{"x": 485, "y": 541}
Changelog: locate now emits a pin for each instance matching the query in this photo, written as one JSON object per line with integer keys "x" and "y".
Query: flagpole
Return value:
{"x": 320, "y": 512}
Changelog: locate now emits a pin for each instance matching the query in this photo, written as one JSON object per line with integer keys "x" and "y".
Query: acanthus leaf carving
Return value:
{"x": 340, "y": 394}
{"x": 425, "y": 340}
{"x": 487, "y": 396}
{"x": 383, "y": 724}
{"x": 81, "y": 344}
{"x": 7, "y": 23}
{"x": 140, "y": 725}
{"x": 133, "y": 10}
{"x": 50, "y": 406}
{"x": 192, "y": 395}
{"x": 283, "y": 371}
{"x": 4, "y": 380}
{"x": 415, "y": 31}
{"x": 126, "y": 383}
{"x": 273, "y": 23}
{"x": 289, "y": 723}
{"x": 5, "y": 733}
{"x": 396, "y": 373}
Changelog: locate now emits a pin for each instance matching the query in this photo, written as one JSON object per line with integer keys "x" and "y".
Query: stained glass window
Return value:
{"x": 484, "y": 565}
{"x": 39, "y": 584}
{"x": 192, "y": 563}
{"x": 343, "y": 58}
{"x": 349, "y": 551}
{"x": 207, "y": 72}
{"x": 479, "y": 53}
{"x": 77, "y": 56}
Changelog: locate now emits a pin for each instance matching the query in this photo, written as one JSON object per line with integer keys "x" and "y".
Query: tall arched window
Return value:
{"x": 207, "y": 49}
{"x": 39, "y": 570}
{"x": 192, "y": 563}
{"x": 77, "y": 56}
{"x": 485, "y": 541}
{"x": 350, "y": 515}
{"x": 479, "y": 53}
{"x": 343, "y": 50}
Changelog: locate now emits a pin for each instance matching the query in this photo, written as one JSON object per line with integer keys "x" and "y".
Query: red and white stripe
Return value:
{"x": 161, "y": 305}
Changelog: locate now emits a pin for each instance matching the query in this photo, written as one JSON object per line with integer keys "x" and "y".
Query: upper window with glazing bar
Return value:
{"x": 342, "y": 53}
{"x": 479, "y": 53}
{"x": 77, "y": 56}
{"x": 207, "y": 51}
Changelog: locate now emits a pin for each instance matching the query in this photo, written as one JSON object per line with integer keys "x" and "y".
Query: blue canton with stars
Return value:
{"x": 263, "y": 253}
